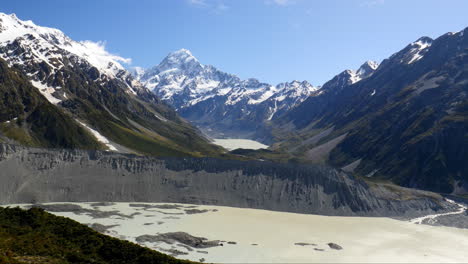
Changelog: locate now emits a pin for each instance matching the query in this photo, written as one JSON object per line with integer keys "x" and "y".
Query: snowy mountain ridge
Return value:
{"x": 37, "y": 44}
{"x": 215, "y": 99}
{"x": 180, "y": 74}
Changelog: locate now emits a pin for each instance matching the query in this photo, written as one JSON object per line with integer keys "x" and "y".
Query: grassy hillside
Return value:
{"x": 35, "y": 236}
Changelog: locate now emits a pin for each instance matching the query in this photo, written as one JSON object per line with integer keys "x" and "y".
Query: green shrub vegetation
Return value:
{"x": 35, "y": 236}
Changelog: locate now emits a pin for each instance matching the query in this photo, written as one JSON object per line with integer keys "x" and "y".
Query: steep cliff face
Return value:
{"x": 37, "y": 175}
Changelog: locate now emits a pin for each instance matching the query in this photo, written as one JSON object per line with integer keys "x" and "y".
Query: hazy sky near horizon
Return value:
{"x": 272, "y": 40}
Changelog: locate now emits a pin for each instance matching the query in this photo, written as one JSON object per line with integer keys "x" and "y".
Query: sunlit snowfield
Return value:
{"x": 231, "y": 144}
{"x": 249, "y": 235}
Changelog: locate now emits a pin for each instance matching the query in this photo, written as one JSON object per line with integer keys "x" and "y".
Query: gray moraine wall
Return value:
{"x": 29, "y": 175}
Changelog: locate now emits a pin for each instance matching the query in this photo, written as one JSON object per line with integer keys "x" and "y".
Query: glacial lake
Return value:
{"x": 232, "y": 143}
{"x": 261, "y": 236}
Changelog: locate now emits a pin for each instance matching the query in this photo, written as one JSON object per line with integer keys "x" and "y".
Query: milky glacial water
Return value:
{"x": 261, "y": 236}
{"x": 231, "y": 144}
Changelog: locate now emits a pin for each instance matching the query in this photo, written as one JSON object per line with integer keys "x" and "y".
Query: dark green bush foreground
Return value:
{"x": 35, "y": 236}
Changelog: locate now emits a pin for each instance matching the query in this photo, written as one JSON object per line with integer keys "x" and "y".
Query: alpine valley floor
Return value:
{"x": 260, "y": 236}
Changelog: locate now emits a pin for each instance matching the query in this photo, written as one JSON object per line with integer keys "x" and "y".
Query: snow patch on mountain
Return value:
{"x": 46, "y": 91}
{"x": 99, "y": 137}
{"x": 363, "y": 72}
{"x": 418, "y": 49}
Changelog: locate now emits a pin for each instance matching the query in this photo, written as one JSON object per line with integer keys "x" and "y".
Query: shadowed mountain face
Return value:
{"x": 26, "y": 116}
{"x": 407, "y": 122}
{"x": 89, "y": 86}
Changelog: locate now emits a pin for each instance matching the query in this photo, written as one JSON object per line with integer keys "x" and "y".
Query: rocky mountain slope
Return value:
{"x": 40, "y": 175}
{"x": 221, "y": 104}
{"x": 89, "y": 86}
{"x": 26, "y": 116}
{"x": 406, "y": 122}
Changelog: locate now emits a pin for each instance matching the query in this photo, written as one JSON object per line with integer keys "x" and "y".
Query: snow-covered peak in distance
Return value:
{"x": 367, "y": 67}
{"x": 349, "y": 77}
{"x": 183, "y": 81}
{"x": 219, "y": 101}
{"x": 180, "y": 72}
{"x": 413, "y": 52}
{"x": 182, "y": 60}
{"x": 363, "y": 72}
{"x": 419, "y": 47}
{"x": 45, "y": 41}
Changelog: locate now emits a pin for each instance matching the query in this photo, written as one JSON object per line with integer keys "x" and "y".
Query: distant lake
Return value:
{"x": 232, "y": 143}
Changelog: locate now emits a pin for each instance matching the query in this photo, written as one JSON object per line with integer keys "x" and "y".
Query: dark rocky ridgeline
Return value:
{"x": 30, "y": 175}
{"x": 406, "y": 123}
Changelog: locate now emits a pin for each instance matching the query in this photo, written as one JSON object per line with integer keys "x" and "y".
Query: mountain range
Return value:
{"x": 403, "y": 120}
{"x": 219, "y": 103}
{"x": 223, "y": 105}
{"x": 407, "y": 122}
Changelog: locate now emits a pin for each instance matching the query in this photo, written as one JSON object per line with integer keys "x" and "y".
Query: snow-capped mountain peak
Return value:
{"x": 418, "y": 48}
{"x": 413, "y": 52}
{"x": 366, "y": 69}
{"x": 349, "y": 77}
{"x": 11, "y": 28}
{"x": 180, "y": 60}
{"x": 51, "y": 39}
{"x": 33, "y": 45}
{"x": 182, "y": 55}
{"x": 198, "y": 91}
{"x": 181, "y": 73}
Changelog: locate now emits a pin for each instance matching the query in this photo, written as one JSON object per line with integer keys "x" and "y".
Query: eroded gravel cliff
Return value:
{"x": 29, "y": 175}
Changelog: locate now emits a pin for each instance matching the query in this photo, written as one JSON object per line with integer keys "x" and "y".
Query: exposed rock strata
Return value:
{"x": 30, "y": 175}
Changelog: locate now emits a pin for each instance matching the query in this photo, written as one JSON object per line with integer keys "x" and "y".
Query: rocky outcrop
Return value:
{"x": 181, "y": 237}
{"x": 30, "y": 175}
{"x": 335, "y": 246}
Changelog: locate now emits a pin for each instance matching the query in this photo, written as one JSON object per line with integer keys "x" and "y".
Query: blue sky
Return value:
{"x": 272, "y": 40}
